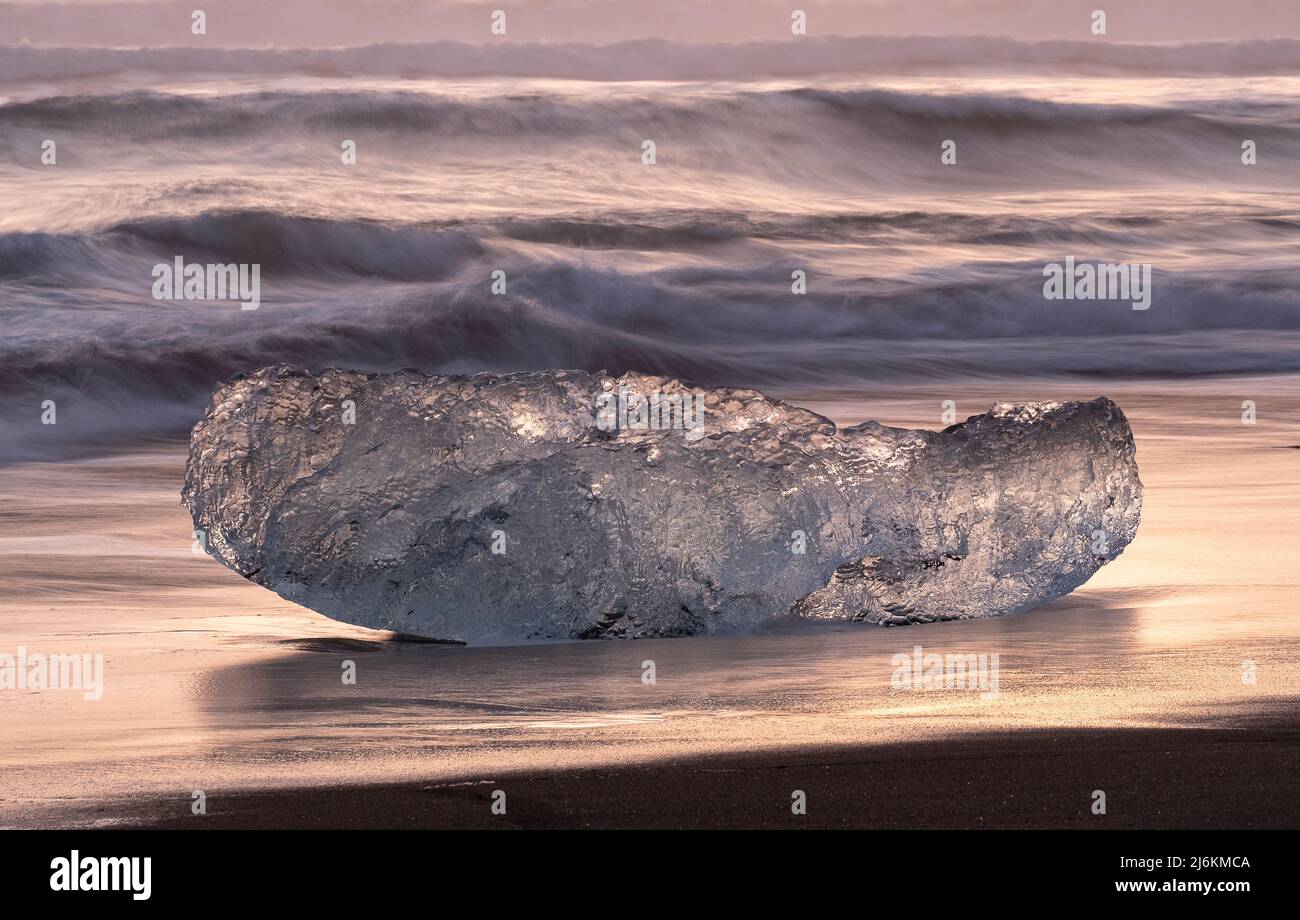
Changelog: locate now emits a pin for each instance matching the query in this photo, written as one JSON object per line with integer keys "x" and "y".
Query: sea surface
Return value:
{"x": 471, "y": 162}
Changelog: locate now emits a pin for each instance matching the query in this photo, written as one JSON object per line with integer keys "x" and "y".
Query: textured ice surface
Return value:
{"x": 498, "y": 508}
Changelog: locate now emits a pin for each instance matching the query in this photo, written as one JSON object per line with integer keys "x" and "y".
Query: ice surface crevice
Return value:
{"x": 503, "y": 508}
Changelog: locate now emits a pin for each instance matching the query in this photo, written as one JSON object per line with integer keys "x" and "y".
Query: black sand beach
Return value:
{"x": 1197, "y": 778}
{"x": 1168, "y": 681}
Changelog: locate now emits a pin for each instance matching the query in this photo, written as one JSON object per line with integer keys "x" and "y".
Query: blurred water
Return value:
{"x": 916, "y": 271}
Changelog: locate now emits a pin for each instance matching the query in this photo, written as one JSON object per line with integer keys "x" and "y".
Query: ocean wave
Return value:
{"x": 144, "y": 114}
{"x": 291, "y": 245}
{"x": 700, "y": 321}
{"x": 826, "y": 141}
{"x": 288, "y": 244}
{"x": 83, "y": 329}
{"x": 324, "y": 247}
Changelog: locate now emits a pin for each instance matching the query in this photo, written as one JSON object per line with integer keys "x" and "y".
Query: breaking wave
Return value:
{"x": 362, "y": 294}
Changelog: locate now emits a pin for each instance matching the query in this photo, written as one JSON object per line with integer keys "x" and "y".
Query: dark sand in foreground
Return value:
{"x": 1198, "y": 778}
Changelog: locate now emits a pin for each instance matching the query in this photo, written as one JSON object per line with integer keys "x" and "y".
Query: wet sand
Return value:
{"x": 214, "y": 684}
